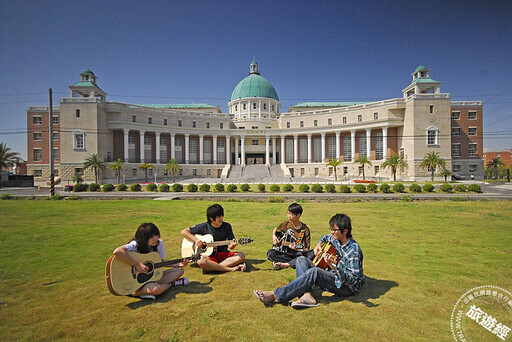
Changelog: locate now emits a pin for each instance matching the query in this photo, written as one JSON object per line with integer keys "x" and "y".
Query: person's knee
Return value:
{"x": 302, "y": 260}
{"x": 202, "y": 262}
{"x": 241, "y": 255}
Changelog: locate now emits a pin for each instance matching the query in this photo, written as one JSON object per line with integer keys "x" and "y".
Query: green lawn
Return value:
{"x": 419, "y": 259}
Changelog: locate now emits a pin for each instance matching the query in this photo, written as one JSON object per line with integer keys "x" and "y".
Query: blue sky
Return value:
{"x": 197, "y": 51}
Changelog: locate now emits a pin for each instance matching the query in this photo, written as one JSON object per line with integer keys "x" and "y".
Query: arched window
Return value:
{"x": 432, "y": 135}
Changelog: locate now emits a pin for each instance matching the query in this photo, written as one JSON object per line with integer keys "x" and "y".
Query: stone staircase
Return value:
{"x": 256, "y": 173}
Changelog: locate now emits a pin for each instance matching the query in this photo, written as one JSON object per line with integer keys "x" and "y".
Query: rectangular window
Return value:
{"x": 254, "y": 142}
{"x": 194, "y": 124}
{"x": 55, "y": 136}
{"x": 38, "y": 154}
{"x": 315, "y": 123}
{"x": 379, "y": 146}
{"x": 456, "y": 168}
{"x": 347, "y": 147}
{"x": 472, "y": 131}
{"x": 254, "y": 127}
{"x": 288, "y": 124}
{"x": 432, "y": 137}
{"x": 289, "y": 150}
{"x": 254, "y": 105}
{"x": 359, "y": 118}
{"x": 55, "y": 154}
{"x": 55, "y": 120}
{"x": 362, "y": 145}
{"x": 264, "y": 106}
{"x": 244, "y": 106}
{"x": 79, "y": 141}
{"x": 272, "y": 107}
{"x": 150, "y": 172}
{"x": 331, "y": 147}
{"x": 134, "y": 172}
{"x": 194, "y": 172}
{"x": 77, "y": 113}
{"x": 329, "y": 122}
{"x": 147, "y": 149}
{"x": 163, "y": 150}
{"x": 193, "y": 151}
{"x": 178, "y": 150}
{"x": 431, "y": 109}
{"x": 221, "y": 125}
{"x": 317, "y": 150}
{"x": 38, "y": 173}
{"x": 221, "y": 151}
{"x": 208, "y": 172}
{"x": 376, "y": 169}
{"x": 302, "y": 124}
{"x": 180, "y": 123}
{"x": 207, "y": 124}
{"x": 134, "y": 118}
{"x": 345, "y": 170}
{"x": 131, "y": 149}
{"x": 455, "y": 115}
{"x": 472, "y": 150}
{"x": 344, "y": 119}
{"x": 207, "y": 152}
{"x": 165, "y": 122}
{"x": 150, "y": 120}
{"x": 360, "y": 170}
{"x": 302, "y": 172}
{"x": 455, "y": 131}
{"x": 37, "y": 120}
{"x": 37, "y": 136}
{"x": 331, "y": 171}
{"x": 375, "y": 116}
{"x": 303, "y": 150}
{"x": 455, "y": 150}
{"x": 317, "y": 171}
{"x": 472, "y": 115}
{"x": 108, "y": 157}
{"x": 78, "y": 170}
{"x": 473, "y": 168}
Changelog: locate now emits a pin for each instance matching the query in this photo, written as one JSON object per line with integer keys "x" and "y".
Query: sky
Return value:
{"x": 197, "y": 51}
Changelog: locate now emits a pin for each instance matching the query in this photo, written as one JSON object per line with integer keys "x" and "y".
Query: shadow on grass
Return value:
{"x": 372, "y": 289}
{"x": 249, "y": 266}
{"x": 193, "y": 287}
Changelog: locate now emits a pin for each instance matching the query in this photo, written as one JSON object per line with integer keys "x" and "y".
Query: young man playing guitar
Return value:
{"x": 343, "y": 279}
{"x": 221, "y": 260}
{"x": 290, "y": 239}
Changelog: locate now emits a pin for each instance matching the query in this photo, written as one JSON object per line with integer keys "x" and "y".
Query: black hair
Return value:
{"x": 295, "y": 208}
{"x": 214, "y": 211}
{"x": 343, "y": 222}
{"x": 145, "y": 232}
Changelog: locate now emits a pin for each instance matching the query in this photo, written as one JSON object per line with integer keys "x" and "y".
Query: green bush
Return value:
{"x": 372, "y": 187}
{"x": 398, "y": 187}
{"x": 231, "y": 188}
{"x": 275, "y": 199}
{"x": 6, "y": 196}
{"x": 445, "y": 187}
{"x": 360, "y": 188}
{"x": 135, "y": 187}
{"x": 219, "y": 187}
{"x": 330, "y": 188}
{"x": 108, "y": 187}
{"x": 72, "y": 198}
{"x": 245, "y": 187}
{"x": 80, "y": 187}
{"x": 304, "y": 188}
{"x": 94, "y": 187}
{"x": 192, "y": 188}
{"x": 177, "y": 187}
{"x": 275, "y": 188}
{"x": 474, "y": 188}
{"x": 287, "y": 187}
{"x": 204, "y": 188}
{"x": 261, "y": 187}
{"x": 122, "y": 187}
{"x": 345, "y": 189}
{"x": 428, "y": 187}
{"x": 317, "y": 188}
{"x": 385, "y": 188}
{"x": 164, "y": 188}
{"x": 461, "y": 188}
{"x": 414, "y": 188}
{"x": 151, "y": 187}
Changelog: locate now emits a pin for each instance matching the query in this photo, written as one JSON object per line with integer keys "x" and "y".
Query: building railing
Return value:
{"x": 79, "y": 99}
{"x": 429, "y": 96}
{"x": 395, "y": 101}
{"x": 466, "y": 103}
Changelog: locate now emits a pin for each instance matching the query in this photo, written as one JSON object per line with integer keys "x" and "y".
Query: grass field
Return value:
{"x": 419, "y": 259}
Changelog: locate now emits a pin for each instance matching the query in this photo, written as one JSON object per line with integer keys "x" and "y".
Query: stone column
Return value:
{"x": 237, "y": 139}
{"x": 323, "y": 147}
{"x": 352, "y": 145}
{"x": 214, "y": 149}
{"x": 282, "y": 154}
{"x": 126, "y": 153}
{"x": 141, "y": 146}
{"x": 228, "y": 150}
{"x": 157, "y": 147}
{"x": 201, "y": 142}
{"x": 384, "y": 143}
{"x": 338, "y": 152}
{"x": 187, "y": 158}
{"x": 368, "y": 142}
{"x": 173, "y": 152}
{"x": 267, "y": 149}
{"x": 243, "y": 149}
{"x": 296, "y": 149}
{"x": 274, "y": 158}
{"x": 259, "y": 109}
{"x": 309, "y": 148}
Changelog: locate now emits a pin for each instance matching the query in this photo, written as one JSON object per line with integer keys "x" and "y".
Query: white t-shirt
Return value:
{"x": 132, "y": 247}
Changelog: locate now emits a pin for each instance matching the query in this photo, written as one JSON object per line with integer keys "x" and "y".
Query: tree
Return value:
{"x": 173, "y": 167}
{"x": 431, "y": 161}
{"x": 145, "y": 167}
{"x": 395, "y": 162}
{"x": 494, "y": 165}
{"x": 335, "y": 162}
{"x": 445, "y": 173}
{"x": 77, "y": 178}
{"x": 6, "y": 156}
{"x": 94, "y": 162}
{"x": 118, "y": 166}
{"x": 363, "y": 160}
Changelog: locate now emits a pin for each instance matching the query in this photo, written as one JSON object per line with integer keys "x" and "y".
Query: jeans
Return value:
{"x": 290, "y": 258}
{"x": 307, "y": 276}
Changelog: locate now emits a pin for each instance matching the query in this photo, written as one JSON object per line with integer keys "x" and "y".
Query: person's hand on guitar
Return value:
{"x": 200, "y": 244}
{"x": 275, "y": 240}
{"x": 318, "y": 250}
{"x": 232, "y": 244}
{"x": 183, "y": 263}
{"x": 141, "y": 268}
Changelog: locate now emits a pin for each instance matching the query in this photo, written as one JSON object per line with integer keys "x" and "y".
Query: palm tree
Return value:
{"x": 118, "y": 166}
{"x": 494, "y": 165}
{"x": 145, "y": 167}
{"x": 363, "y": 160}
{"x": 77, "y": 178}
{"x": 94, "y": 162}
{"x": 445, "y": 173}
{"x": 395, "y": 162}
{"x": 173, "y": 167}
{"x": 7, "y": 157}
{"x": 432, "y": 161}
{"x": 335, "y": 162}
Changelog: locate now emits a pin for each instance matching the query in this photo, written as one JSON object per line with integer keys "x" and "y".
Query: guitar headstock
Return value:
{"x": 245, "y": 240}
{"x": 195, "y": 257}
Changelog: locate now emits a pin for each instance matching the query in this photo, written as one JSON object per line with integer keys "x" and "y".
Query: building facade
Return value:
{"x": 299, "y": 142}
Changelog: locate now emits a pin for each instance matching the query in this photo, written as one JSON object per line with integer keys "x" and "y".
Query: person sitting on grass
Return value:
{"x": 286, "y": 237}
{"x": 147, "y": 239}
{"x": 343, "y": 279}
{"x": 221, "y": 260}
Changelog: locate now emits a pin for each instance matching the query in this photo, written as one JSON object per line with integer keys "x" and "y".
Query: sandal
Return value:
{"x": 241, "y": 267}
{"x": 265, "y": 299}
{"x": 277, "y": 266}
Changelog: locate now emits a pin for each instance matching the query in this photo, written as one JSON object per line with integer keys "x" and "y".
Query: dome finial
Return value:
{"x": 254, "y": 68}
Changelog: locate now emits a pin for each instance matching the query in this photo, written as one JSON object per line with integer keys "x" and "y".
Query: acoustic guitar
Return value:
{"x": 330, "y": 251}
{"x": 189, "y": 248}
{"x": 123, "y": 279}
{"x": 288, "y": 243}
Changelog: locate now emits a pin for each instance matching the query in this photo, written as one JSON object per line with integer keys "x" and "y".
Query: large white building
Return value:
{"x": 297, "y": 143}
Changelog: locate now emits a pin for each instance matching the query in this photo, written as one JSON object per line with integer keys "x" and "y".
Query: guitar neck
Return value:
{"x": 167, "y": 263}
{"x": 218, "y": 243}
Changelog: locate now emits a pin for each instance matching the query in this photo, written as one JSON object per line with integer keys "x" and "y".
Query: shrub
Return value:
{"x": 330, "y": 188}
{"x": 79, "y": 187}
{"x": 68, "y": 187}
{"x": 446, "y": 187}
{"x": 461, "y": 188}
{"x": 474, "y": 188}
{"x": 135, "y": 187}
{"x": 398, "y": 187}
{"x": 287, "y": 187}
{"x": 317, "y": 188}
{"x": 261, "y": 187}
{"x": 192, "y": 188}
{"x": 219, "y": 187}
{"x": 304, "y": 188}
{"x": 6, "y": 196}
{"x": 345, "y": 189}
{"x": 275, "y": 188}
{"x": 360, "y": 188}
{"x": 94, "y": 187}
{"x": 372, "y": 187}
{"x": 231, "y": 188}
{"x": 151, "y": 187}
{"x": 177, "y": 187}
{"x": 385, "y": 188}
{"x": 414, "y": 188}
{"x": 72, "y": 198}
{"x": 204, "y": 188}
{"x": 164, "y": 188}
{"x": 428, "y": 187}
{"x": 108, "y": 187}
{"x": 275, "y": 199}
{"x": 122, "y": 187}
{"x": 245, "y": 187}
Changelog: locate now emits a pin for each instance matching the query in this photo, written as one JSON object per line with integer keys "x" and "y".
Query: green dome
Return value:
{"x": 421, "y": 67}
{"x": 88, "y": 72}
{"x": 254, "y": 86}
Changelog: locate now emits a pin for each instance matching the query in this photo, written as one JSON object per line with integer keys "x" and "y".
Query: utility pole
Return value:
{"x": 52, "y": 179}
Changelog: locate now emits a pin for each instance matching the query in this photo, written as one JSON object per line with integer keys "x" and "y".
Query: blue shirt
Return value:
{"x": 350, "y": 266}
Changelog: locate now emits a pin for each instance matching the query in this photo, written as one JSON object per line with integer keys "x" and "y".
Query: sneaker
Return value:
{"x": 147, "y": 297}
{"x": 181, "y": 281}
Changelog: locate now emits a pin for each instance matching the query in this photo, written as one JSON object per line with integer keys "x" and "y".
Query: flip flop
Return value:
{"x": 277, "y": 266}
{"x": 302, "y": 304}
{"x": 262, "y": 298}
{"x": 241, "y": 267}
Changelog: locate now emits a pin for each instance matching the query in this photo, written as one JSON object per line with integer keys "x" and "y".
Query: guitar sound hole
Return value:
{"x": 144, "y": 277}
